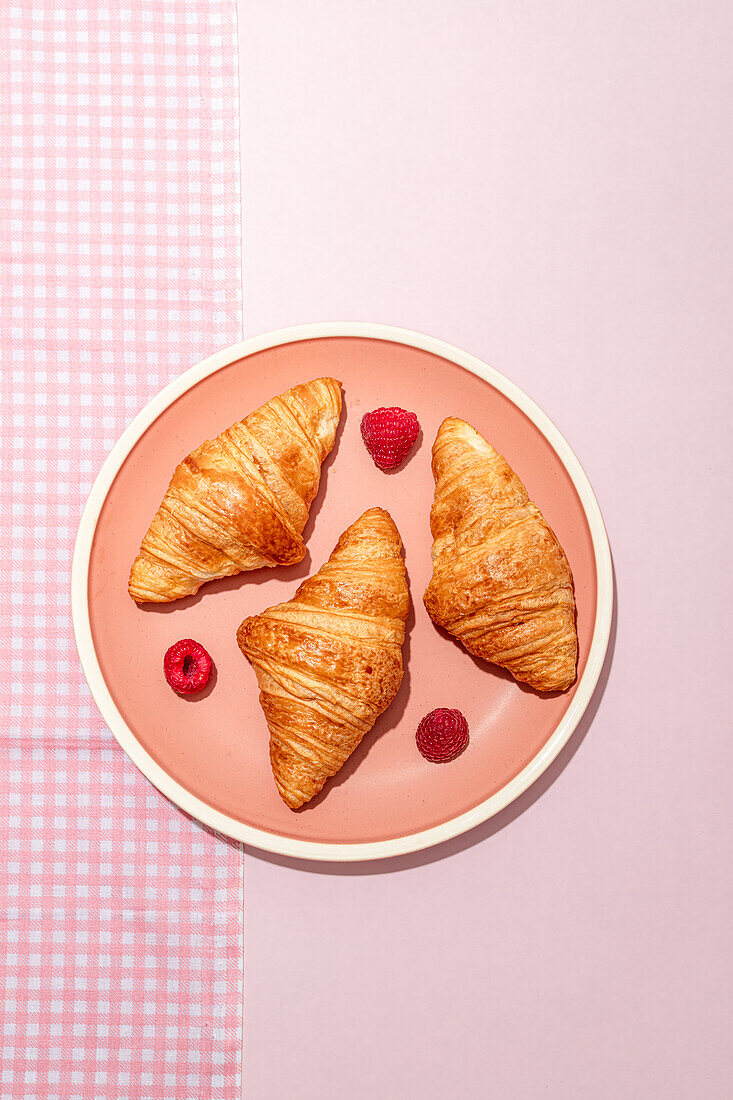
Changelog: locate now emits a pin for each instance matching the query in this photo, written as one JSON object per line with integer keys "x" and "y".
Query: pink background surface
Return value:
{"x": 548, "y": 186}
{"x": 215, "y": 745}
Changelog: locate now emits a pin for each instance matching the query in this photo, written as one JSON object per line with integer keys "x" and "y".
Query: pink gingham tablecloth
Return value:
{"x": 120, "y": 918}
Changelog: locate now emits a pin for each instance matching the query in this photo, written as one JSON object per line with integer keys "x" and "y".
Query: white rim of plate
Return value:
{"x": 273, "y": 842}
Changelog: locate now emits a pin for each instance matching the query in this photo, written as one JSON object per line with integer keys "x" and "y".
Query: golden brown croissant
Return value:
{"x": 240, "y": 501}
{"x": 329, "y": 661}
{"x": 501, "y": 583}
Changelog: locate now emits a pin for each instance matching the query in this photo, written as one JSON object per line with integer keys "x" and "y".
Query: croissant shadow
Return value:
{"x": 488, "y": 828}
{"x": 495, "y": 670}
{"x": 285, "y": 574}
{"x": 387, "y": 721}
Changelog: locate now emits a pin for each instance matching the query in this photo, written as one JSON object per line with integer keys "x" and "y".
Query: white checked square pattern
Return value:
{"x": 119, "y": 249}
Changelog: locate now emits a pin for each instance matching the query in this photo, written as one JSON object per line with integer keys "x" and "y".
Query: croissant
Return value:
{"x": 501, "y": 583}
{"x": 240, "y": 501}
{"x": 329, "y": 661}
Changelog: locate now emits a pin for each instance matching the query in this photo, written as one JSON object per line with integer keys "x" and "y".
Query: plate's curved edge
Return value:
{"x": 272, "y": 842}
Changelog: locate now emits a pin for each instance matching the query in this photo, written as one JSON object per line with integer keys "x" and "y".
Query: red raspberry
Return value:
{"x": 187, "y": 666}
{"x": 389, "y": 434}
{"x": 442, "y": 735}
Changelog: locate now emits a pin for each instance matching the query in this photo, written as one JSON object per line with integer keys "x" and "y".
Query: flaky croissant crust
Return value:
{"x": 329, "y": 661}
{"x": 501, "y": 583}
{"x": 240, "y": 501}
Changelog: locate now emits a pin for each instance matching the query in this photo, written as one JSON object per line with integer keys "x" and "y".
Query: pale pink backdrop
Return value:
{"x": 547, "y": 185}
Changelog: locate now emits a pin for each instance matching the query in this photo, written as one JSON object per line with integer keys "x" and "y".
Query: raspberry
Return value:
{"x": 389, "y": 435}
{"x": 442, "y": 735}
{"x": 187, "y": 666}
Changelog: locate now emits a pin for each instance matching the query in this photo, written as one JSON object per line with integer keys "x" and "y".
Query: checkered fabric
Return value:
{"x": 120, "y": 933}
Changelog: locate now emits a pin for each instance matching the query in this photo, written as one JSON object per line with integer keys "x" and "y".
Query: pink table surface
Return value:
{"x": 120, "y": 917}
{"x": 548, "y": 186}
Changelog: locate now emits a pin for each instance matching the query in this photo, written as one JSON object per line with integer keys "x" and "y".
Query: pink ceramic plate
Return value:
{"x": 209, "y": 753}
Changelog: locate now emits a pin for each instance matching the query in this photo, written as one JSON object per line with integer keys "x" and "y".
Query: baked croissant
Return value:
{"x": 501, "y": 583}
{"x": 329, "y": 661}
{"x": 240, "y": 501}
